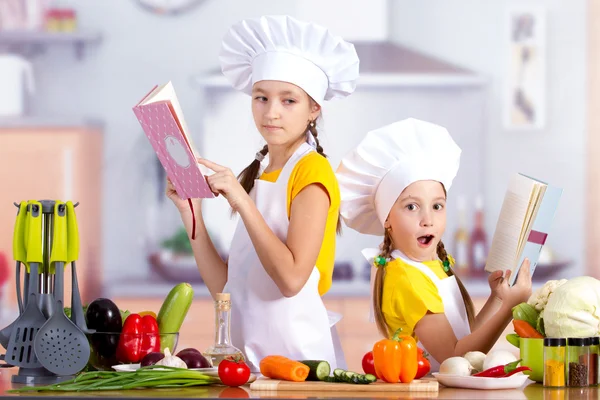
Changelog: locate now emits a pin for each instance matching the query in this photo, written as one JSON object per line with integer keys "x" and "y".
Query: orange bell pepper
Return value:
{"x": 396, "y": 358}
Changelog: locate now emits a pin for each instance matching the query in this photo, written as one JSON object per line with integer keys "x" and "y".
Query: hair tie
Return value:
{"x": 380, "y": 261}
{"x": 446, "y": 265}
{"x": 259, "y": 156}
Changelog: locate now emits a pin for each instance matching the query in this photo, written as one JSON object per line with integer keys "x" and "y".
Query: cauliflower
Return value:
{"x": 539, "y": 298}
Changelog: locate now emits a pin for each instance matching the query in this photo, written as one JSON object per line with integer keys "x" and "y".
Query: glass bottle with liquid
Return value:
{"x": 478, "y": 245}
{"x": 222, "y": 348}
{"x": 461, "y": 239}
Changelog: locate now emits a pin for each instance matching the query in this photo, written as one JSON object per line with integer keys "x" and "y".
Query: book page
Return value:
{"x": 504, "y": 250}
{"x": 534, "y": 205}
{"x": 167, "y": 93}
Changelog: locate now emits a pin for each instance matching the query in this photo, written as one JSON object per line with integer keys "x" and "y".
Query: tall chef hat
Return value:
{"x": 285, "y": 49}
{"x": 388, "y": 159}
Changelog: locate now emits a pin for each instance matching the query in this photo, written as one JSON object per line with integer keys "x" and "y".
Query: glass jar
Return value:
{"x": 554, "y": 362}
{"x": 222, "y": 347}
{"x": 594, "y": 361}
{"x": 578, "y": 368}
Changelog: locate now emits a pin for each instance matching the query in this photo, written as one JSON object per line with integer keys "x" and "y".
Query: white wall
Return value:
{"x": 472, "y": 33}
{"x": 138, "y": 50}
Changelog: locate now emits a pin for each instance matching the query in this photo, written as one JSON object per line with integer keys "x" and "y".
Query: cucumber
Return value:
{"x": 172, "y": 313}
{"x": 319, "y": 369}
{"x": 370, "y": 378}
{"x": 338, "y": 374}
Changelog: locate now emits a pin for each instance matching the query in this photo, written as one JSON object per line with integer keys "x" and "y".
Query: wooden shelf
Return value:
{"x": 49, "y": 122}
{"x": 31, "y": 43}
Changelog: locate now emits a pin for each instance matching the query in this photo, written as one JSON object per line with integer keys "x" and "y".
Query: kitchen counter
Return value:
{"x": 529, "y": 391}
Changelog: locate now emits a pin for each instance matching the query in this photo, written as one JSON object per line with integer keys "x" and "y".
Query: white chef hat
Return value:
{"x": 285, "y": 49}
{"x": 388, "y": 159}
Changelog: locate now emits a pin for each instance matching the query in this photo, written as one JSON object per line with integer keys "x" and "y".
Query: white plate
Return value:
{"x": 477, "y": 382}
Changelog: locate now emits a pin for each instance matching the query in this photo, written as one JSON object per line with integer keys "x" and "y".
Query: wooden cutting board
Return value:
{"x": 421, "y": 385}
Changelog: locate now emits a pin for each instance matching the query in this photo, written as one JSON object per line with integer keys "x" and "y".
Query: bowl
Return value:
{"x": 103, "y": 347}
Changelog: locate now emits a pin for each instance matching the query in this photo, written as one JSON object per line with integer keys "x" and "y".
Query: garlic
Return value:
{"x": 476, "y": 358}
{"x": 456, "y": 366}
{"x": 498, "y": 357}
{"x": 171, "y": 361}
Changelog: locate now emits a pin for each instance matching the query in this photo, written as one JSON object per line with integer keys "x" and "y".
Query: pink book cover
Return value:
{"x": 164, "y": 130}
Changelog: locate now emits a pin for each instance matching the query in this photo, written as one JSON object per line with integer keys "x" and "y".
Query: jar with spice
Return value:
{"x": 554, "y": 361}
{"x": 578, "y": 367}
{"x": 594, "y": 361}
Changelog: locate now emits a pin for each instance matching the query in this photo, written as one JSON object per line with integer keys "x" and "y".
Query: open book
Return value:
{"x": 161, "y": 118}
{"x": 523, "y": 225}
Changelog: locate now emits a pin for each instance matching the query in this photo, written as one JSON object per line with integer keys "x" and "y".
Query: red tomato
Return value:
{"x": 423, "y": 364}
{"x": 233, "y": 372}
{"x": 368, "y": 364}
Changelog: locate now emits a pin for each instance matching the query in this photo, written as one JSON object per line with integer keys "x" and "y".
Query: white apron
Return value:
{"x": 263, "y": 321}
{"x": 454, "y": 306}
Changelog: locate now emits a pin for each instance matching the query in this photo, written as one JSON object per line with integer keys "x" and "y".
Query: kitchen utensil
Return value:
{"x": 72, "y": 254}
{"x": 272, "y": 385}
{"x": 20, "y": 350}
{"x": 20, "y": 255}
{"x": 61, "y": 347}
{"x": 19, "y": 250}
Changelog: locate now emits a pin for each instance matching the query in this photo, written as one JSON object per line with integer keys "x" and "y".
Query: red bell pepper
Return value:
{"x": 139, "y": 337}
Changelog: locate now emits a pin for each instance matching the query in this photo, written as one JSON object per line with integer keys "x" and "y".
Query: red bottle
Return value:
{"x": 478, "y": 243}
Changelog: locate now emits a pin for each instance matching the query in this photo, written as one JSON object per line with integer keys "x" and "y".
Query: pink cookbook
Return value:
{"x": 161, "y": 118}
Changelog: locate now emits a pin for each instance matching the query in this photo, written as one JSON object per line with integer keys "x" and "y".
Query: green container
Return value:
{"x": 532, "y": 354}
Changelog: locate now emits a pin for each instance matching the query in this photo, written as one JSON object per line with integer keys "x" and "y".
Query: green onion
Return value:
{"x": 145, "y": 377}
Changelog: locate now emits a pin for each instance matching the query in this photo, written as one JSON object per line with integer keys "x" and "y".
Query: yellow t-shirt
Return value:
{"x": 314, "y": 168}
{"x": 408, "y": 294}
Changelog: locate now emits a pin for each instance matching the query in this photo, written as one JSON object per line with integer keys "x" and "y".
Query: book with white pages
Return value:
{"x": 523, "y": 225}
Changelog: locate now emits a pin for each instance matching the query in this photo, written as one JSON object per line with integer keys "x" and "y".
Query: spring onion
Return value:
{"x": 152, "y": 376}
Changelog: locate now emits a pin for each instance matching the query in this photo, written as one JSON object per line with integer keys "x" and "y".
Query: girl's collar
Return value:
{"x": 398, "y": 254}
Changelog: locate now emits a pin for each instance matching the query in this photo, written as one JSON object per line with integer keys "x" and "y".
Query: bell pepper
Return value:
{"x": 139, "y": 337}
{"x": 395, "y": 359}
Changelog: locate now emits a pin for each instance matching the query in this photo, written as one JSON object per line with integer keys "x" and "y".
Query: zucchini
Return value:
{"x": 319, "y": 369}
{"x": 172, "y": 313}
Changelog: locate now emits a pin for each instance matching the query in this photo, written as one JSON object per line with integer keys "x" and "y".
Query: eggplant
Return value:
{"x": 104, "y": 316}
{"x": 193, "y": 359}
{"x": 187, "y": 350}
{"x": 151, "y": 358}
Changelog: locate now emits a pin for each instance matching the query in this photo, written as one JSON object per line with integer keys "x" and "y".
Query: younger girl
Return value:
{"x": 395, "y": 184}
{"x": 282, "y": 253}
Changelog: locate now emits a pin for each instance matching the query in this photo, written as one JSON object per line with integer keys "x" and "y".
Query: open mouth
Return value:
{"x": 425, "y": 240}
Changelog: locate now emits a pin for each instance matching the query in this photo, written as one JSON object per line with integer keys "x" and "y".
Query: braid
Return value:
{"x": 250, "y": 173}
{"x": 443, "y": 255}
{"x": 386, "y": 251}
{"x": 312, "y": 127}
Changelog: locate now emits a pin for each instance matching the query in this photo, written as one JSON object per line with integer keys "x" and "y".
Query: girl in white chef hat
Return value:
{"x": 282, "y": 253}
{"x": 395, "y": 184}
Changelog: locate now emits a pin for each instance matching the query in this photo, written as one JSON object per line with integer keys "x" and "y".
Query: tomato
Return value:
{"x": 233, "y": 372}
{"x": 234, "y": 393}
{"x": 423, "y": 364}
{"x": 368, "y": 364}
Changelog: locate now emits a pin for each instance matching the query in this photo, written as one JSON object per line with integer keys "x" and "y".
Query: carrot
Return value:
{"x": 280, "y": 367}
{"x": 525, "y": 330}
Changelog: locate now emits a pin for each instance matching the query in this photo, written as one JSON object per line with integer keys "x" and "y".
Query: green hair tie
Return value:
{"x": 380, "y": 261}
{"x": 446, "y": 265}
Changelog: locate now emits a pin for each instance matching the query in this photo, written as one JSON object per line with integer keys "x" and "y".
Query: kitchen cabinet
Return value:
{"x": 60, "y": 162}
{"x": 356, "y": 333}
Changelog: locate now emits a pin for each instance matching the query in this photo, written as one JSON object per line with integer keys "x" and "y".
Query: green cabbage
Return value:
{"x": 573, "y": 310}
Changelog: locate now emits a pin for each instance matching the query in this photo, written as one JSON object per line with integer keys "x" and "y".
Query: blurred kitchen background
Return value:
{"x": 513, "y": 81}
